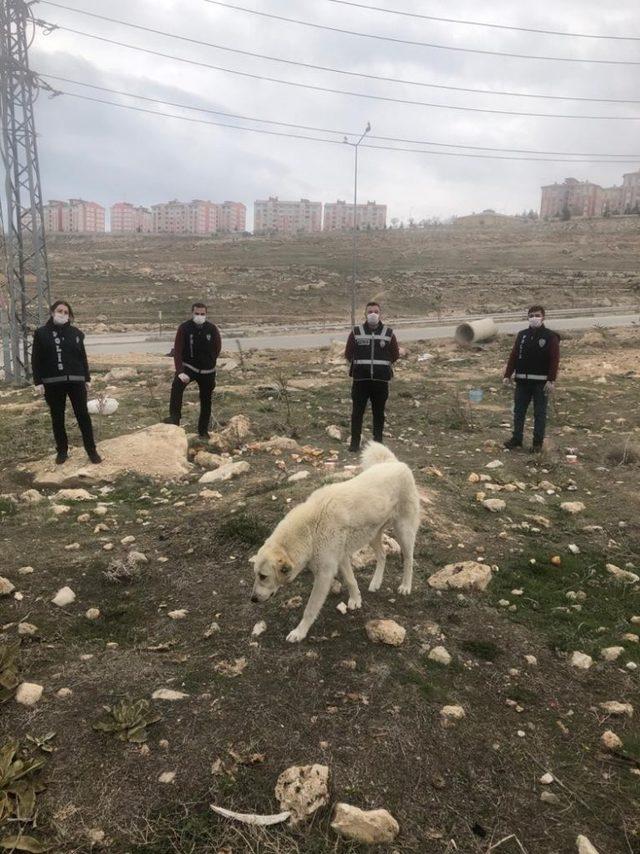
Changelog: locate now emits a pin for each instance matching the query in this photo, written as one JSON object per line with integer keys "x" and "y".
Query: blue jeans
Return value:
{"x": 526, "y": 390}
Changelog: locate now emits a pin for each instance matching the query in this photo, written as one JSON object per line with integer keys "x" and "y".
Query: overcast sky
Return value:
{"x": 107, "y": 154}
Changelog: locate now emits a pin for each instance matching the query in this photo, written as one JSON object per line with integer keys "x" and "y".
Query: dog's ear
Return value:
{"x": 285, "y": 564}
{"x": 253, "y": 558}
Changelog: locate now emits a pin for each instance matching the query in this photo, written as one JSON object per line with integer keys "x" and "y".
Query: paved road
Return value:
{"x": 134, "y": 342}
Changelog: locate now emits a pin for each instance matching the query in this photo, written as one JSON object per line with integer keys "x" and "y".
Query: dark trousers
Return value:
{"x": 362, "y": 391}
{"x": 206, "y": 385}
{"x": 526, "y": 391}
{"x": 56, "y": 396}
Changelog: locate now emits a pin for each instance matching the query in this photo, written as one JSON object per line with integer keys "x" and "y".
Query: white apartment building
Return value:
{"x": 286, "y": 217}
{"x": 338, "y": 216}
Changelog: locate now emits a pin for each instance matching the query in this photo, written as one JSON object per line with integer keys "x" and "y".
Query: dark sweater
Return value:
{"x": 196, "y": 347}
{"x": 536, "y": 352}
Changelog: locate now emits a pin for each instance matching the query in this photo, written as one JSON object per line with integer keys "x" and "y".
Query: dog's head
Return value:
{"x": 272, "y": 568}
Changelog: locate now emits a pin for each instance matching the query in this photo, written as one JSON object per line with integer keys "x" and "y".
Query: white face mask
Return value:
{"x": 199, "y": 319}
{"x": 373, "y": 319}
{"x": 60, "y": 319}
{"x": 535, "y": 322}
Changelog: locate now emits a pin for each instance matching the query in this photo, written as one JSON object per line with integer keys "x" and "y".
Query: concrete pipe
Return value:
{"x": 476, "y": 330}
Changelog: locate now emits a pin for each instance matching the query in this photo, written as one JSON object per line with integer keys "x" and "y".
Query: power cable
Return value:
{"x": 396, "y": 40}
{"x": 295, "y": 84}
{"x": 340, "y": 133}
{"x": 379, "y": 78}
{"x": 338, "y": 142}
{"x": 484, "y": 23}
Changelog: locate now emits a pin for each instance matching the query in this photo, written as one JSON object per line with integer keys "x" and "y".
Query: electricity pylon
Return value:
{"x": 26, "y": 254}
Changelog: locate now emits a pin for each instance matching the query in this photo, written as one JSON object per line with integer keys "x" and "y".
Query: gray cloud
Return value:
{"x": 107, "y": 153}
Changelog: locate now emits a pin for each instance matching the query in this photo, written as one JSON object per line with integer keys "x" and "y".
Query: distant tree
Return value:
{"x": 394, "y": 222}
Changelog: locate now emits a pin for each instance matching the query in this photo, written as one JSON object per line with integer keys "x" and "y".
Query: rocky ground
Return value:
{"x": 120, "y": 283}
{"x": 135, "y": 673}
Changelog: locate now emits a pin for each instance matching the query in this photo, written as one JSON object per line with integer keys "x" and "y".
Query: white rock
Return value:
{"x": 6, "y": 587}
{"x": 334, "y": 432}
{"x": 25, "y": 570}
{"x": 168, "y": 694}
{"x": 610, "y": 740}
{"x": 622, "y": 575}
{"x": 121, "y": 373}
{"x": 494, "y": 464}
{"x": 259, "y": 629}
{"x": 28, "y": 693}
{"x": 64, "y": 596}
{"x": 178, "y": 614}
{"x": 574, "y": 549}
{"x": 92, "y": 613}
{"x": 299, "y": 475}
{"x": 27, "y": 629}
{"x": 634, "y": 620}
{"x": 207, "y": 460}
{"x": 302, "y": 789}
{"x": 631, "y": 665}
{"x": 385, "y": 631}
{"x": 63, "y": 693}
{"x": 440, "y": 655}
{"x": 167, "y": 777}
{"x": 102, "y": 405}
{"x": 612, "y": 707}
{"x": 630, "y": 637}
{"x": 449, "y": 714}
{"x": 581, "y": 660}
{"x": 572, "y": 507}
{"x": 495, "y": 505}
{"x": 342, "y": 608}
{"x": 583, "y": 844}
{"x": 210, "y": 493}
{"x": 60, "y": 509}
{"x": 225, "y": 472}
{"x": 547, "y": 779}
{"x": 466, "y": 575}
{"x": 611, "y": 653}
{"x": 134, "y": 558}
{"x": 531, "y": 659}
{"x": 73, "y": 495}
{"x": 370, "y": 827}
{"x": 126, "y": 541}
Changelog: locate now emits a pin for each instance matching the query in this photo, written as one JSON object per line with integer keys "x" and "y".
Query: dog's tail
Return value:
{"x": 375, "y": 453}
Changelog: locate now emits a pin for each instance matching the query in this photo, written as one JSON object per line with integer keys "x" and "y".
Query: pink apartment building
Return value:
{"x": 74, "y": 216}
{"x": 583, "y": 198}
{"x": 195, "y": 217}
{"x": 286, "y": 217}
{"x": 232, "y": 216}
{"x": 338, "y": 216}
{"x": 130, "y": 219}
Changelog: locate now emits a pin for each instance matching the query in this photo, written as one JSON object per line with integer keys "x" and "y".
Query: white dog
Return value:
{"x": 333, "y": 523}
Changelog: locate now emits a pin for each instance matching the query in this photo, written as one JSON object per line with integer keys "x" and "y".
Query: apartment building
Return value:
{"x": 126, "y": 218}
{"x": 232, "y": 217}
{"x": 584, "y": 198}
{"x": 74, "y": 216}
{"x": 195, "y": 217}
{"x": 338, "y": 216}
{"x": 271, "y": 215}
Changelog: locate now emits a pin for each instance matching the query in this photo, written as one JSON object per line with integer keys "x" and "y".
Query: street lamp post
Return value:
{"x": 355, "y": 225}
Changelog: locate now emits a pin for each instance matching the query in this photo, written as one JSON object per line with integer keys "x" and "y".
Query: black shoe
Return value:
{"x": 354, "y": 447}
{"x": 536, "y": 448}
{"x": 61, "y": 457}
{"x": 511, "y": 444}
{"x": 204, "y": 436}
{"x": 94, "y": 456}
{"x": 170, "y": 420}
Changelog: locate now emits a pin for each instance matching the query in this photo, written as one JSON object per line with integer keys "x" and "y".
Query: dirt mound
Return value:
{"x": 159, "y": 452}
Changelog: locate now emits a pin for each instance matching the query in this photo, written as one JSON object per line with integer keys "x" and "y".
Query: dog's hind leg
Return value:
{"x": 346, "y": 571}
{"x": 378, "y": 575}
{"x": 322, "y": 584}
{"x": 406, "y": 529}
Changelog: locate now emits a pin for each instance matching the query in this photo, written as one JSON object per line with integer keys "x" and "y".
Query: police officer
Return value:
{"x": 195, "y": 352}
{"x": 60, "y": 371}
{"x": 371, "y": 351}
{"x": 534, "y": 363}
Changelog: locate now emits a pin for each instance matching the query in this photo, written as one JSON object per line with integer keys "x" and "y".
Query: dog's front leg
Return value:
{"x": 320, "y": 591}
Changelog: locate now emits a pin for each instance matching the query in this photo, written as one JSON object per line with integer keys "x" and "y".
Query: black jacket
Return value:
{"x": 535, "y": 355}
{"x": 197, "y": 347}
{"x": 58, "y": 355}
{"x": 371, "y": 352}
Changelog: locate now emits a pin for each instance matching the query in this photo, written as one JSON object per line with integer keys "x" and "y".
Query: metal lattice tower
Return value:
{"x": 27, "y": 267}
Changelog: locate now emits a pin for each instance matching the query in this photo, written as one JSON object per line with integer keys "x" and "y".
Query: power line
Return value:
{"x": 339, "y": 142}
{"x": 417, "y": 43}
{"x": 340, "y": 133}
{"x": 385, "y": 98}
{"x": 333, "y": 70}
{"x": 484, "y": 23}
